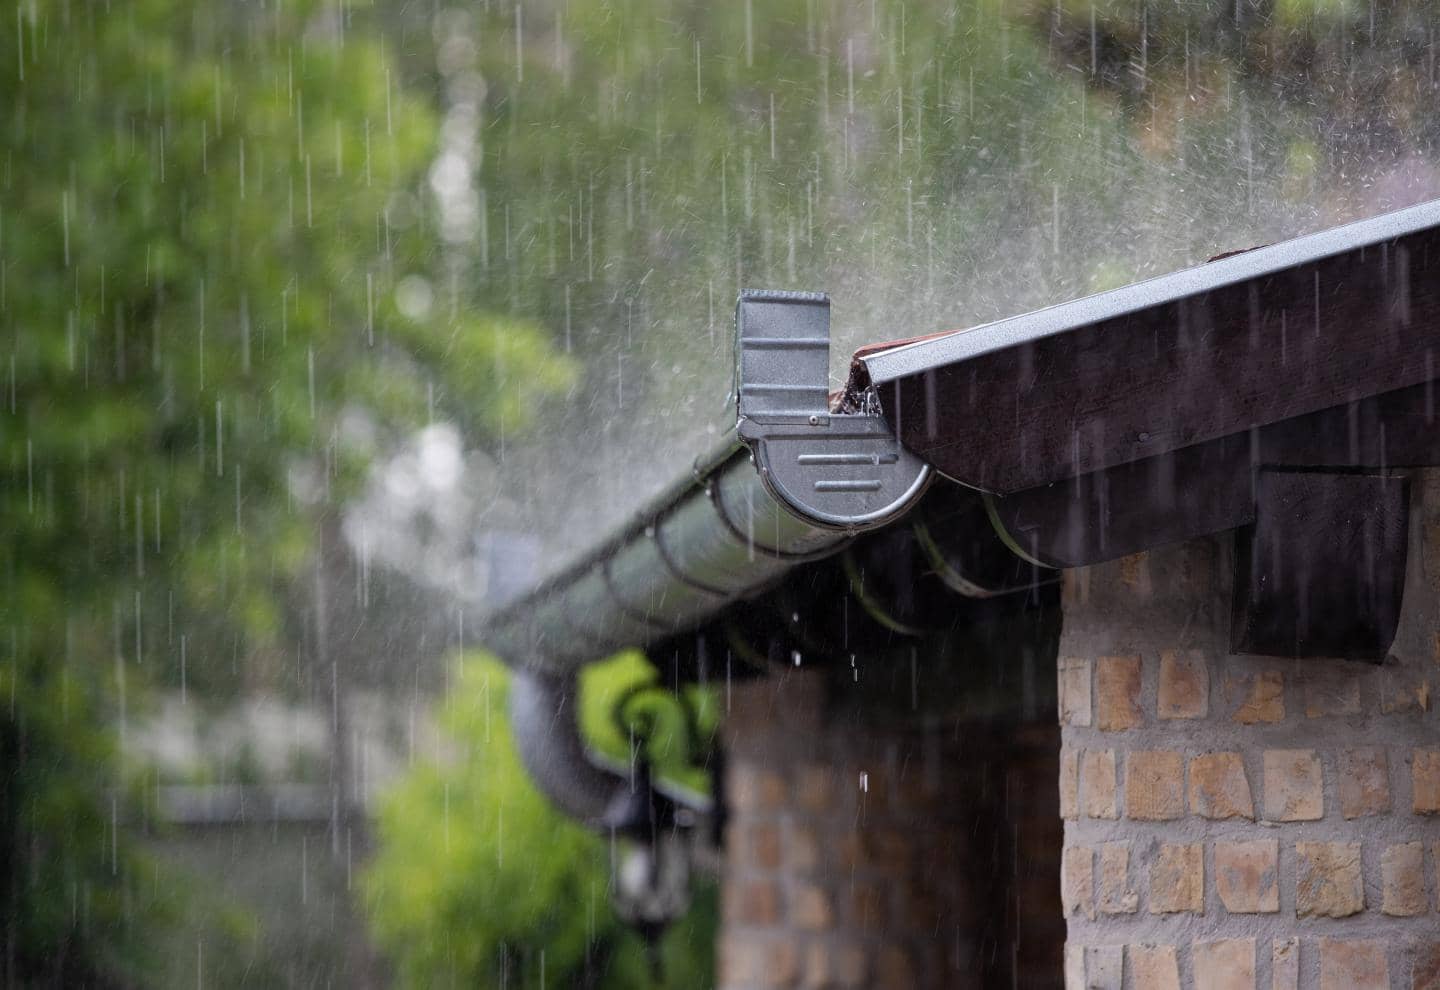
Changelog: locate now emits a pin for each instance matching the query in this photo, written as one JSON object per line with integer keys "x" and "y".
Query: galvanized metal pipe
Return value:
{"x": 792, "y": 481}
{"x": 719, "y": 537}
{"x": 545, "y": 724}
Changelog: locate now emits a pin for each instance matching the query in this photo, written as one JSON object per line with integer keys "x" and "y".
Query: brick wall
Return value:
{"x": 1244, "y": 822}
{"x": 897, "y": 855}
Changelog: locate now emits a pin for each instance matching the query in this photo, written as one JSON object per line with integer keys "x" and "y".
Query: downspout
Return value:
{"x": 544, "y": 719}
{"x": 793, "y": 481}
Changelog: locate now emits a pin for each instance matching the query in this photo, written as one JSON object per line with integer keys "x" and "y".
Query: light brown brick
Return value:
{"x": 748, "y": 960}
{"x": 1177, "y": 879}
{"x": 733, "y": 958}
{"x": 811, "y": 908}
{"x": 1364, "y": 782}
{"x": 1077, "y": 881}
{"x": 1247, "y": 876}
{"x": 1331, "y": 690}
{"x": 752, "y": 789}
{"x": 1285, "y": 964}
{"x": 1294, "y": 786}
{"x": 1184, "y": 685}
{"x": 762, "y": 846}
{"x": 1074, "y": 678}
{"x": 1327, "y": 880}
{"x": 1353, "y": 965}
{"x": 1228, "y": 964}
{"x": 1261, "y": 696}
{"x": 850, "y": 966}
{"x": 754, "y": 902}
{"x": 802, "y": 849}
{"x": 1426, "y": 972}
{"x": 1115, "y": 896}
{"x": 1402, "y": 872}
{"x": 1117, "y": 694}
{"x": 1403, "y": 688}
{"x": 1153, "y": 967}
{"x": 1425, "y": 781}
{"x": 1219, "y": 787}
{"x": 867, "y": 906}
{"x": 830, "y": 966}
{"x": 815, "y": 788}
{"x": 1154, "y": 785}
{"x": 1074, "y": 959}
{"x": 1097, "y": 784}
{"x": 1135, "y": 574}
{"x": 1069, "y": 783}
{"x": 1104, "y": 967}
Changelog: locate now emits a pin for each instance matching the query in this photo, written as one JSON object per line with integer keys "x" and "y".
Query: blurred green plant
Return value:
{"x": 199, "y": 254}
{"x": 479, "y": 881}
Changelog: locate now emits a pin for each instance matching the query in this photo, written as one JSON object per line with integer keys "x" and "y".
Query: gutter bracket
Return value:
{"x": 837, "y": 470}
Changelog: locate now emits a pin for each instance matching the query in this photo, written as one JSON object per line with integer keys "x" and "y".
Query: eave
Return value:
{"x": 1090, "y": 430}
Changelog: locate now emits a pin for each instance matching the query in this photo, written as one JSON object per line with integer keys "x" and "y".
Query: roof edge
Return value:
{"x": 921, "y": 354}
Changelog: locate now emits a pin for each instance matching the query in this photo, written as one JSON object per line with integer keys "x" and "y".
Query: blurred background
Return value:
{"x": 325, "y": 327}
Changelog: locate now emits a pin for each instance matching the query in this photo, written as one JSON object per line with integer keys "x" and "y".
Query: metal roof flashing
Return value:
{"x": 1243, "y": 342}
{"x": 911, "y": 357}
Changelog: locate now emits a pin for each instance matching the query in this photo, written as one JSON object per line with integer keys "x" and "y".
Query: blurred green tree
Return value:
{"x": 205, "y": 214}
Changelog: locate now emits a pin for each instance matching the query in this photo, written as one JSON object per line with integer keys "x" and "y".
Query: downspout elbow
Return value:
{"x": 544, "y": 719}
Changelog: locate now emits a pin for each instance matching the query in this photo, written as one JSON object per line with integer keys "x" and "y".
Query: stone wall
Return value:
{"x": 1240, "y": 821}
{"x": 896, "y": 855}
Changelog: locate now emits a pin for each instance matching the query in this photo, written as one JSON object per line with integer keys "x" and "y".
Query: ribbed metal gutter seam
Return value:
{"x": 791, "y": 483}
{"x": 709, "y": 539}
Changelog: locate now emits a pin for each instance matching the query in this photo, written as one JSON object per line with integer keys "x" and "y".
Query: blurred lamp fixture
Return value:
{"x": 651, "y": 882}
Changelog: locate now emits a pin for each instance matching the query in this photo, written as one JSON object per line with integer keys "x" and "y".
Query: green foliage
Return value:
{"x": 200, "y": 272}
{"x": 198, "y": 268}
{"x": 478, "y": 878}
{"x": 1301, "y": 13}
{"x": 623, "y": 704}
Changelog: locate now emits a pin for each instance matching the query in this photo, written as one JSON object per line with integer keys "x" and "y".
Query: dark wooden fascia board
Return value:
{"x": 1211, "y": 487}
{"x": 1235, "y": 354}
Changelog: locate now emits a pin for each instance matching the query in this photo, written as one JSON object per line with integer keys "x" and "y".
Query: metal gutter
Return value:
{"x": 791, "y": 482}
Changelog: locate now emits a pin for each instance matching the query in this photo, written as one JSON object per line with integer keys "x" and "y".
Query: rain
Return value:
{"x": 369, "y": 370}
